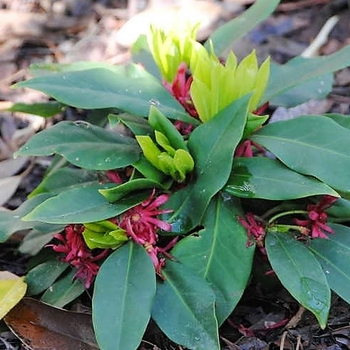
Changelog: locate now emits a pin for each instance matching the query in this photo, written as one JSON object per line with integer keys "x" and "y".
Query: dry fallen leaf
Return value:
{"x": 12, "y": 290}
{"x": 8, "y": 187}
{"x": 9, "y": 167}
{"x": 40, "y": 326}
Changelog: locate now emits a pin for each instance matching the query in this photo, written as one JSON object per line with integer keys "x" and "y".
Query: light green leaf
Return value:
{"x": 266, "y": 178}
{"x": 81, "y": 205}
{"x": 84, "y": 145}
{"x": 225, "y": 35}
{"x": 300, "y": 273}
{"x": 334, "y": 257}
{"x": 219, "y": 253}
{"x": 184, "y": 308}
{"x": 212, "y": 146}
{"x": 43, "y": 109}
{"x": 123, "y": 296}
{"x": 311, "y": 145}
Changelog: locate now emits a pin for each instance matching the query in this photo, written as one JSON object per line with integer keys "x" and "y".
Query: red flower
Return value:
{"x": 317, "y": 217}
{"x": 78, "y": 254}
{"x": 255, "y": 231}
{"x": 141, "y": 223}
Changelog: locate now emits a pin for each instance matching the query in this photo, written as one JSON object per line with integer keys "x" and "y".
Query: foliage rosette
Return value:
{"x": 149, "y": 204}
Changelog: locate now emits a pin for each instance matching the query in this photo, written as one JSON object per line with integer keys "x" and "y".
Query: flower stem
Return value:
{"x": 286, "y": 213}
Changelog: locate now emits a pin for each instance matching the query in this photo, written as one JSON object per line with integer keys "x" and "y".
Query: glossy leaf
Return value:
{"x": 115, "y": 193}
{"x": 43, "y": 275}
{"x": 102, "y": 88}
{"x": 63, "y": 291}
{"x": 12, "y": 290}
{"x": 43, "y": 109}
{"x": 266, "y": 178}
{"x": 64, "y": 179}
{"x": 136, "y": 124}
{"x": 219, "y": 253}
{"x": 223, "y": 37}
{"x": 91, "y": 147}
{"x": 311, "y": 145}
{"x": 300, "y": 273}
{"x": 341, "y": 119}
{"x": 212, "y": 146}
{"x": 80, "y": 205}
{"x": 184, "y": 308}
{"x": 307, "y": 69}
{"x": 315, "y": 89}
{"x": 123, "y": 296}
{"x": 40, "y": 326}
{"x": 334, "y": 257}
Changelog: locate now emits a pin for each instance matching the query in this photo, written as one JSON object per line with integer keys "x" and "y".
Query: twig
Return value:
{"x": 296, "y": 318}
{"x": 321, "y": 38}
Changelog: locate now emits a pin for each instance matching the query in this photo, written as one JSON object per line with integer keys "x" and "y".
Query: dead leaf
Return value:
{"x": 40, "y": 326}
{"x": 12, "y": 290}
{"x": 9, "y": 167}
{"x": 8, "y": 187}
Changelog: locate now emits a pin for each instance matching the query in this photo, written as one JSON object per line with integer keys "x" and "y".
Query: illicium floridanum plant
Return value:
{"x": 153, "y": 209}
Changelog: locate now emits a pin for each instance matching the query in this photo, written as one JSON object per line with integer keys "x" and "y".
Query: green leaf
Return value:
{"x": 115, "y": 193}
{"x": 43, "y": 109}
{"x": 340, "y": 209}
{"x": 64, "y": 291}
{"x": 341, "y": 119}
{"x": 311, "y": 145}
{"x": 301, "y": 70}
{"x": 159, "y": 122}
{"x": 219, "y": 253}
{"x": 300, "y": 273}
{"x": 124, "y": 290}
{"x": 43, "y": 275}
{"x": 212, "y": 146}
{"x": 184, "y": 308}
{"x": 136, "y": 124}
{"x": 266, "y": 178}
{"x": 102, "y": 88}
{"x": 84, "y": 145}
{"x": 223, "y": 37}
{"x": 317, "y": 89}
{"x": 63, "y": 179}
{"x": 334, "y": 257}
{"x": 81, "y": 205}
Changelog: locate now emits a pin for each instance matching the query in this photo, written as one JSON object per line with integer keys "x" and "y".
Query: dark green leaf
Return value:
{"x": 300, "y": 273}
{"x": 81, "y": 205}
{"x": 38, "y": 237}
{"x": 212, "y": 146}
{"x": 44, "y": 109}
{"x": 219, "y": 253}
{"x": 184, "y": 308}
{"x": 311, "y": 145}
{"x": 317, "y": 89}
{"x": 115, "y": 193}
{"x": 300, "y": 70}
{"x": 64, "y": 291}
{"x": 223, "y": 37}
{"x": 334, "y": 256}
{"x": 102, "y": 88}
{"x": 136, "y": 124}
{"x": 266, "y": 178}
{"x": 43, "y": 275}
{"x": 159, "y": 122}
{"x": 64, "y": 179}
{"x": 123, "y": 296}
{"x": 84, "y": 145}
{"x": 340, "y": 209}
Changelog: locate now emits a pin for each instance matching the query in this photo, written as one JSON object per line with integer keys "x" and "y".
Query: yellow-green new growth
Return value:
{"x": 216, "y": 85}
{"x": 176, "y": 163}
{"x": 170, "y": 48}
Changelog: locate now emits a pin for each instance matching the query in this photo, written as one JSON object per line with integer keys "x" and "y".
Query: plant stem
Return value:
{"x": 285, "y": 213}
